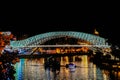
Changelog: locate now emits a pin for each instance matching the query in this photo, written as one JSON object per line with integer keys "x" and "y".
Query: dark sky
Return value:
{"x": 36, "y": 22}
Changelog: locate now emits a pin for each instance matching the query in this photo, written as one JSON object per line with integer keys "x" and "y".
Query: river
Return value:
{"x": 33, "y": 69}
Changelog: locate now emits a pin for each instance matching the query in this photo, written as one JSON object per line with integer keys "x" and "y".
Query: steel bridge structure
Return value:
{"x": 41, "y": 38}
{"x": 38, "y": 40}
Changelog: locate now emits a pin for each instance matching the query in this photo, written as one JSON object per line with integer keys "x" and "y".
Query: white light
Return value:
{"x": 65, "y": 46}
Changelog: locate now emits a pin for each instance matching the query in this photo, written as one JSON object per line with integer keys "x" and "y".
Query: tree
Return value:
{"x": 5, "y": 38}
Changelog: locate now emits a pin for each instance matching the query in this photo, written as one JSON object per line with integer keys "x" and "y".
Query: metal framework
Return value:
{"x": 41, "y": 38}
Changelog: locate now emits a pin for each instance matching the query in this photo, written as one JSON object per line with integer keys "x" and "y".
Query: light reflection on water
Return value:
{"x": 33, "y": 69}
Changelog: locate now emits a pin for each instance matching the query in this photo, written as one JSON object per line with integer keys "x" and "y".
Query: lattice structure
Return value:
{"x": 41, "y": 38}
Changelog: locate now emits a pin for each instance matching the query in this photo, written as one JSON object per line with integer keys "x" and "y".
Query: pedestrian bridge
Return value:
{"x": 38, "y": 40}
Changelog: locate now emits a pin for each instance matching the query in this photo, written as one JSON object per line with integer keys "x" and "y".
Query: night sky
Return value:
{"x": 106, "y": 23}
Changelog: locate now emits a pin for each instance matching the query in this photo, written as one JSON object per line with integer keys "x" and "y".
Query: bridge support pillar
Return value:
{"x": 61, "y": 61}
{"x": 73, "y": 58}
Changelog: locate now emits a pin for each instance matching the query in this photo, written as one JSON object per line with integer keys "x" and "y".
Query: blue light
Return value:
{"x": 95, "y": 40}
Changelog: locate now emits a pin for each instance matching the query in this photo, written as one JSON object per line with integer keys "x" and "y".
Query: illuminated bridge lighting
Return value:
{"x": 100, "y": 46}
{"x": 41, "y": 38}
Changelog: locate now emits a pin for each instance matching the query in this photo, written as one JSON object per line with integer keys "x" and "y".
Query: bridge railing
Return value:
{"x": 99, "y": 46}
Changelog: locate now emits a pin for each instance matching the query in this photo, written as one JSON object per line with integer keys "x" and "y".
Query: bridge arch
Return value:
{"x": 41, "y": 38}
